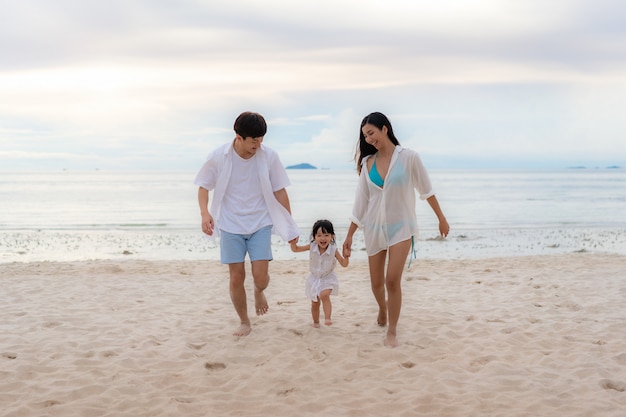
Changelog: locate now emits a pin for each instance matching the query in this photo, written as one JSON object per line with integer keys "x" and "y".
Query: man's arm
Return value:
{"x": 283, "y": 198}
{"x": 207, "y": 219}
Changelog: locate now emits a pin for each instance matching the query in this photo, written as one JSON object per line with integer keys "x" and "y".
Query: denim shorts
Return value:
{"x": 258, "y": 245}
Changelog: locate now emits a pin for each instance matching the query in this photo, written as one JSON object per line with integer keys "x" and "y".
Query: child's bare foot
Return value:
{"x": 328, "y": 322}
{"x": 242, "y": 330}
{"x": 260, "y": 303}
{"x": 316, "y": 325}
{"x": 391, "y": 341}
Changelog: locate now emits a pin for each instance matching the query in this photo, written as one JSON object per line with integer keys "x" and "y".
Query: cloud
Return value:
{"x": 456, "y": 77}
{"x": 328, "y": 145}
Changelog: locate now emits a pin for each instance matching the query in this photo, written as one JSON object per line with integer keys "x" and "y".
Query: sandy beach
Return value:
{"x": 515, "y": 336}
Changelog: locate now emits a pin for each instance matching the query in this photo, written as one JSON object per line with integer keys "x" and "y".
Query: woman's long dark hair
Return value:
{"x": 363, "y": 148}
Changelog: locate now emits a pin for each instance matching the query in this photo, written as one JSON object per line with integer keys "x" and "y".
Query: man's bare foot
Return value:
{"x": 391, "y": 341}
{"x": 328, "y": 322}
{"x": 382, "y": 318}
{"x": 242, "y": 330}
{"x": 260, "y": 303}
{"x": 316, "y": 325}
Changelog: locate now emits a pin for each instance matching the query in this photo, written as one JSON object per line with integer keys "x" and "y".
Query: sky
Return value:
{"x": 157, "y": 84}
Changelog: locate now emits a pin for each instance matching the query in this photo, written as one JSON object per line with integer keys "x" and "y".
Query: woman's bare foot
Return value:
{"x": 391, "y": 340}
{"x": 242, "y": 330}
{"x": 316, "y": 325}
{"x": 328, "y": 322}
{"x": 382, "y": 318}
{"x": 260, "y": 303}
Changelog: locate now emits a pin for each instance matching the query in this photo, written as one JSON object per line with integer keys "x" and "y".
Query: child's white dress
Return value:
{"x": 322, "y": 272}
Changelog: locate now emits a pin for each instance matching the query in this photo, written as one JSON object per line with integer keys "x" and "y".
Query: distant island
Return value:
{"x": 584, "y": 167}
{"x": 301, "y": 166}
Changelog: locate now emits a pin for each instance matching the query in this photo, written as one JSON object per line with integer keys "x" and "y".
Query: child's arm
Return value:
{"x": 342, "y": 261}
{"x": 296, "y": 248}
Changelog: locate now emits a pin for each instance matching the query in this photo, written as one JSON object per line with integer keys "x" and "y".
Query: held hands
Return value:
{"x": 207, "y": 224}
{"x": 347, "y": 247}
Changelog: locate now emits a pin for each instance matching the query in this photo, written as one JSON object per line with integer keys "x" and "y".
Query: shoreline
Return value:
{"x": 191, "y": 245}
{"x": 504, "y": 336}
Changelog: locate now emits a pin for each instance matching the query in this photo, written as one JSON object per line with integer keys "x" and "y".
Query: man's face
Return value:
{"x": 248, "y": 146}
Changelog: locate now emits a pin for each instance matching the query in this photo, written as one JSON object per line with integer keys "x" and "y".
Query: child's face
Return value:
{"x": 322, "y": 238}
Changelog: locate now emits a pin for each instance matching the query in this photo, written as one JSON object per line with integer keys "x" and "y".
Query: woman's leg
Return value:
{"x": 377, "y": 278}
{"x": 397, "y": 258}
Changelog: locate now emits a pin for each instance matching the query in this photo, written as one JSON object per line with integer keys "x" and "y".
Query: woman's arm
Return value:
{"x": 444, "y": 227}
{"x": 347, "y": 243}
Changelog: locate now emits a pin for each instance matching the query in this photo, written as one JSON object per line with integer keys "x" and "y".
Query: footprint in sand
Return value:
{"x": 621, "y": 358}
{"x": 478, "y": 363}
{"x": 286, "y": 392}
{"x": 419, "y": 278}
{"x": 196, "y": 346}
{"x": 183, "y": 400}
{"x": 9, "y": 355}
{"x": 214, "y": 366}
{"x": 317, "y": 356}
{"x": 614, "y": 385}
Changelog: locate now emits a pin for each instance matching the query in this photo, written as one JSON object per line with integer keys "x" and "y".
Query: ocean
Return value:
{"x": 73, "y": 216}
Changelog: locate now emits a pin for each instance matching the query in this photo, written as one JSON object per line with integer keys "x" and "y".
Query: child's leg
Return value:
{"x": 328, "y": 307}
{"x": 315, "y": 312}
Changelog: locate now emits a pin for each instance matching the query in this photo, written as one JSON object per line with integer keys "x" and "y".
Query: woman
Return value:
{"x": 384, "y": 208}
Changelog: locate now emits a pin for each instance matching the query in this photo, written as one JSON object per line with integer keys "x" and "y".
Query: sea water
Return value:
{"x": 69, "y": 215}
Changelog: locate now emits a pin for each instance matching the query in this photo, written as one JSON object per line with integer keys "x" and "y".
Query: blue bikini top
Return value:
{"x": 375, "y": 176}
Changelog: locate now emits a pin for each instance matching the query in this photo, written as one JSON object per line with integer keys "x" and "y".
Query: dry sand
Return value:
{"x": 517, "y": 336}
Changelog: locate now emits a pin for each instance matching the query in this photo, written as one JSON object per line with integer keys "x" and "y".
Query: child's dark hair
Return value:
{"x": 325, "y": 225}
{"x": 250, "y": 125}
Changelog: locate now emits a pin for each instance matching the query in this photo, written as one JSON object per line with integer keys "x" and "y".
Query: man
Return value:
{"x": 249, "y": 203}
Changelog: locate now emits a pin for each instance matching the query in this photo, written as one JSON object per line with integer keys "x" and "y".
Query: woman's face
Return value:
{"x": 375, "y": 136}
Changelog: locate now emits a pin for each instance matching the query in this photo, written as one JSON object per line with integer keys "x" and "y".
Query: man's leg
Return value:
{"x": 260, "y": 250}
{"x": 261, "y": 276}
{"x": 238, "y": 297}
